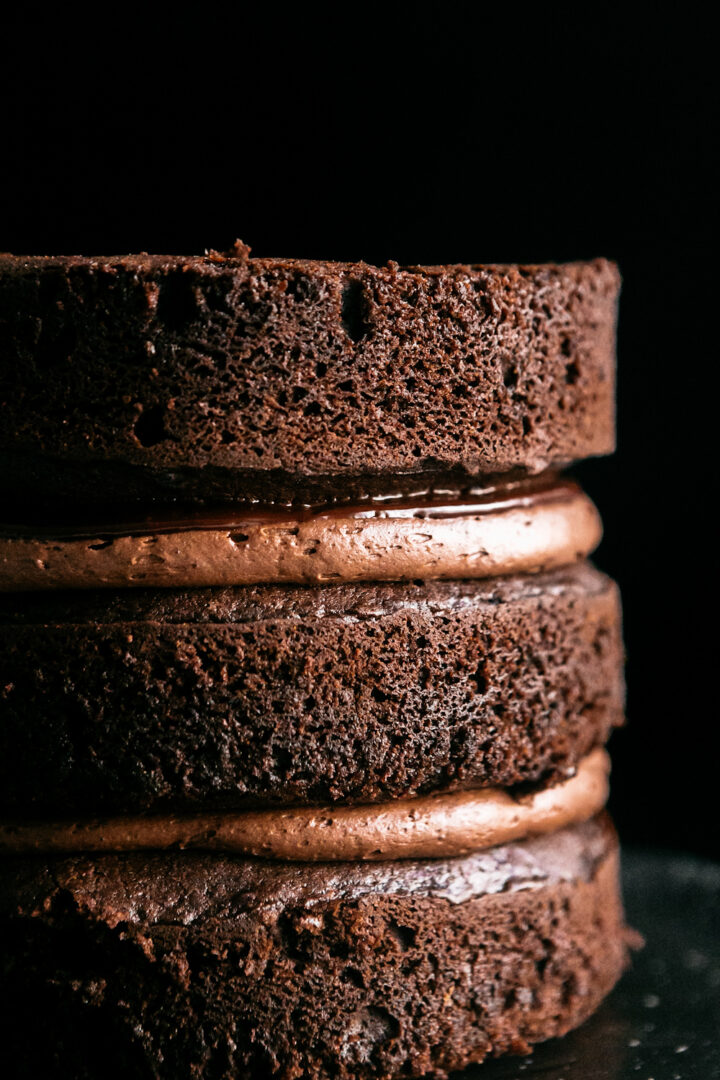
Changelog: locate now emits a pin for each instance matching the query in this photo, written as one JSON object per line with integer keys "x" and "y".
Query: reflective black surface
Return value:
{"x": 663, "y": 1021}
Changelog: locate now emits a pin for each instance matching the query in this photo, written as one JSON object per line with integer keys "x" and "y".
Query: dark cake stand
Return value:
{"x": 663, "y": 1020}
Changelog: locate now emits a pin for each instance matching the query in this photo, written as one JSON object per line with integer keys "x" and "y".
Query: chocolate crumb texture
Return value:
{"x": 182, "y": 699}
{"x": 213, "y": 377}
{"x": 189, "y": 965}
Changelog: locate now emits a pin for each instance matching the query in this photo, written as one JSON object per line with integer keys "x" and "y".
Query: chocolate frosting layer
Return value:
{"x": 435, "y": 826}
{"x": 530, "y": 529}
{"x": 240, "y": 605}
{"x": 192, "y": 887}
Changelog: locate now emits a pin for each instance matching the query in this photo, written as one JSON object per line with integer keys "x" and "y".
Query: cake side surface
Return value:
{"x": 217, "y": 377}
{"x": 194, "y": 965}
{"x": 127, "y": 701}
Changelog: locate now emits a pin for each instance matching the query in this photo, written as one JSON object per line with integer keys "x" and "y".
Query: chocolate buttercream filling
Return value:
{"x": 522, "y": 527}
{"x": 190, "y": 886}
{"x": 435, "y": 826}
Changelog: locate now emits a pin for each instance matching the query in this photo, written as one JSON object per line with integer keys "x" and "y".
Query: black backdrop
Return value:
{"x": 436, "y": 133}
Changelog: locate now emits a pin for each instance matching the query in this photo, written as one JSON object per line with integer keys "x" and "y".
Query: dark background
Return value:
{"x": 437, "y": 133}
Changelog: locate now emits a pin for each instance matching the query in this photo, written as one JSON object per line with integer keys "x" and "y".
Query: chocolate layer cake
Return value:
{"x": 304, "y": 677}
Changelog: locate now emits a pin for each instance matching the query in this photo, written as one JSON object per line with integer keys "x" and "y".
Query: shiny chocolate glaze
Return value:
{"x": 50, "y": 521}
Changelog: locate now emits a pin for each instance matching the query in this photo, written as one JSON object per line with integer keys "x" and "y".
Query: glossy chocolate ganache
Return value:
{"x": 523, "y": 526}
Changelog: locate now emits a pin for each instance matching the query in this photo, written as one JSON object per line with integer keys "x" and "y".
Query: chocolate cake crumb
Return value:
{"x": 157, "y": 699}
{"x": 151, "y": 376}
{"x": 185, "y": 965}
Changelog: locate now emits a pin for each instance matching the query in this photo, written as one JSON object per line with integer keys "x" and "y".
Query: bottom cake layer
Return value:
{"x": 185, "y": 965}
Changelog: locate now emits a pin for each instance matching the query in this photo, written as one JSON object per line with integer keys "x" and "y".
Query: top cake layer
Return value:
{"x": 281, "y": 380}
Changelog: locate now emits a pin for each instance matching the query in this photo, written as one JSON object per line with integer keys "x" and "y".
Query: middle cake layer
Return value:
{"x": 119, "y": 702}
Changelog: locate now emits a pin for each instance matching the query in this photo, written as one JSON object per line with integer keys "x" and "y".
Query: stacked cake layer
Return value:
{"x": 304, "y": 678}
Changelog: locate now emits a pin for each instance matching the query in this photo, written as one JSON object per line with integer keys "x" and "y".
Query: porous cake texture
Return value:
{"x": 227, "y": 376}
{"x": 305, "y": 677}
{"x": 204, "y": 966}
{"x": 159, "y": 699}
